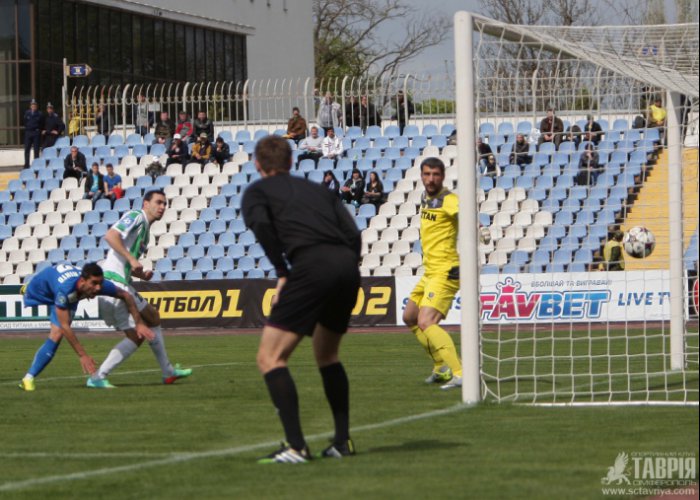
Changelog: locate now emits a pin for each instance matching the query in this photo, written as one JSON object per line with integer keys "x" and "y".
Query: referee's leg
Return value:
{"x": 326, "y": 344}
{"x": 276, "y": 346}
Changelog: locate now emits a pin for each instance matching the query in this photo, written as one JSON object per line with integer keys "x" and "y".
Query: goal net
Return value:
{"x": 570, "y": 156}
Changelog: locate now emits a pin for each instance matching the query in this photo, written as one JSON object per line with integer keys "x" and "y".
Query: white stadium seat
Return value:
{"x": 403, "y": 271}
{"x": 496, "y": 194}
{"x": 401, "y": 247}
{"x": 514, "y": 232}
{"x": 410, "y": 234}
{"x": 389, "y": 234}
{"x": 382, "y": 271}
{"x": 23, "y": 231}
{"x": 509, "y": 206}
{"x": 72, "y": 218}
{"x": 407, "y": 208}
{"x": 400, "y": 222}
{"x": 391, "y": 260}
{"x": 48, "y": 242}
{"x": 527, "y": 244}
{"x": 544, "y": 218}
{"x": 189, "y": 191}
{"x": 35, "y": 219}
{"x": 61, "y": 230}
{"x": 53, "y": 218}
{"x": 166, "y": 240}
{"x": 517, "y": 193}
{"x": 69, "y": 183}
{"x": 83, "y": 206}
{"x": 369, "y": 236}
{"x": 498, "y": 258}
{"x": 46, "y": 207}
{"x": 413, "y": 260}
{"x": 529, "y": 206}
{"x": 378, "y": 222}
{"x": 506, "y": 245}
{"x": 535, "y": 231}
{"x": 371, "y": 261}
{"x": 30, "y": 243}
{"x": 10, "y": 244}
{"x": 12, "y": 279}
{"x": 522, "y": 219}
{"x": 396, "y": 198}
{"x": 489, "y": 207}
{"x": 501, "y": 219}
{"x": 380, "y": 248}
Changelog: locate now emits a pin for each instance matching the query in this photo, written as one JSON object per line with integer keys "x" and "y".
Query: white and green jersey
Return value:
{"x": 134, "y": 230}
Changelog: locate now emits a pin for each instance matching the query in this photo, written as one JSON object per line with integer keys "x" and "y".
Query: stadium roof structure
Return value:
{"x": 659, "y": 55}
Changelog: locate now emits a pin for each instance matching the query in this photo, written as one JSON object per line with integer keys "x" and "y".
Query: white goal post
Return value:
{"x": 627, "y": 337}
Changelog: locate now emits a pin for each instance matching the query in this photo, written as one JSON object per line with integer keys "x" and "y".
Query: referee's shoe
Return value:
{"x": 287, "y": 455}
{"x": 338, "y": 450}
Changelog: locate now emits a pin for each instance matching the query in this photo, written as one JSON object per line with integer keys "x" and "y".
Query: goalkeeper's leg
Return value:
{"x": 410, "y": 318}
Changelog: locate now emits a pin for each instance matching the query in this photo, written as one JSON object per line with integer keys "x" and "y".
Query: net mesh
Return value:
{"x": 559, "y": 324}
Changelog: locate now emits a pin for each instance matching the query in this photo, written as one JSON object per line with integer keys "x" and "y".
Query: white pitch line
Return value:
{"x": 119, "y": 374}
{"x": 186, "y": 457}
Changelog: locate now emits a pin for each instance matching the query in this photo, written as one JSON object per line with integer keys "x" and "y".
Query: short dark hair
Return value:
{"x": 295, "y": 108}
{"x": 433, "y": 162}
{"x": 95, "y": 164}
{"x": 109, "y": 165}
{"x": 91, "y": 269}
{"x": 149, "y": 194}
{"x": 274, "y": 154}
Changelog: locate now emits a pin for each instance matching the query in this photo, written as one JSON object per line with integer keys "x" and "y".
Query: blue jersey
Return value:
{"x": 56, "y": 287}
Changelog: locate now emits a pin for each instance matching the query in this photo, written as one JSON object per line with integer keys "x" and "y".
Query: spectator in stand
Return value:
{"x": 404, "y": 110}
{"x": 312, "y": 147}
{"x": 520, "y": 154}
{"x": 331, "y": 146}
{"x": 33, "y": 125}
{"x": 491, "y": 168}
{"x": 221, "y": 152}
{"x": 588, "y": 166}
{"x": 201, "y": 151}
{"x": 112, "y": 185}
{"x": 141, "y": 116}
{"x": 329, "y": 113}
{"x": 551, "y": 129}
{"x": 656, "y": 118}
{"x": 178, "y": 151}
{"x": 573, "y": 134}
{"x": 354, "y": 188}
{"x": 165, "y": 129}
{"x": 75, "y": 164}
{"x": 203, "y": 125}
{"x": 368, "y": 114}
{"x": 94, "y": 185}
{"x": 73, "y": 125}
{"x": 592, "y": 130}
{"x": 483, "y": 151}
{"x": 374, "y": 191}
{"x": 296, "y": 126}
{"x": 53, "y": 127}
{"x": 330, "y": 181}
{"x": 103, "y": 122}
{"x": 613, "y": 256}
{"x": 353, "y": 116}
{"x": 184, "y": 127}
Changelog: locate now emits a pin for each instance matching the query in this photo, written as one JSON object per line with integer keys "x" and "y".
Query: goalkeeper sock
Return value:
{"x": 441, "y": 342}
{"x": 434, "y": 355}
{"x": 284, "y": 396}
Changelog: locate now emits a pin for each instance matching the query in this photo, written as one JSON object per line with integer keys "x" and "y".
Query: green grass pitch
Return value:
{"x": 199, "y": 438}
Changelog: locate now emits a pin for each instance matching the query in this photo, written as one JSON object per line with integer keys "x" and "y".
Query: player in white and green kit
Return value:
{"x": 128, "y": 241}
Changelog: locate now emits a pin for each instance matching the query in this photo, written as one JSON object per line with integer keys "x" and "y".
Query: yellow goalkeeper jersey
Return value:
{"x": 438, "y": 231}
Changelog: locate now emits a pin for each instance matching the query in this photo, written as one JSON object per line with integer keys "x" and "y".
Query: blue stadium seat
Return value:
{"x": 400, "y": 142}
{"x": 208, "y": 215}
{"x": 156, "y": 149}
{"x": 75, "y": 255}
{"x": 175, "y": 252}
{"x": 15, "y": 219}
{"x": 164, "y": 265}
{"x": 214, "y": 275}
{"x": 140, "y": 150}
{"x": 216, "y": 251}
{"x": 621, "y": 125}
{"x": 95, "y": 255}
{"x": 236, "y": 251}
{"x": 490, "y": 269}
{"x": 206, "y": 240}
{"x": 524, "y": 128}
{"x": 186, "y": 240}
{"x": 486, "y": 129}
{"x": 237, "y": 226}
{"x": 410, "y": 131}
{"x": 373, "y": 132}
{"x": 246, "y": 263}
{"x": 122, "y": 205}
{"x": 197, "y": 227}
{"x": 217, "y": 227}
{"x": 133, "y": 140}
{"x": 247, "y": 238}
{"x": 184, "y": 265}
{"x": 205, "y": 264}
{"x": 195, "y": 252}
{"x": 56, "y": 255}
{"x": 172, "y": 276}
{"x": 242, "y": 136}
{"x": 392, "y": 131}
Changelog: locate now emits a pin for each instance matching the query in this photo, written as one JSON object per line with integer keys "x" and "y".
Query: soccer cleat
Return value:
{"x": 455, "y": 382}
{"x": 443, "y": 374}
{"x": 27, "y": 384}
{"x": 287, "y": 455}
{"x": 338, "y": 450}
{"x": 177, "y": 373}
{"x": 99, "y": 383}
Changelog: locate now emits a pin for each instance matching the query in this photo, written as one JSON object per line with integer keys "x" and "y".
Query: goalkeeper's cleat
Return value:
{"x": 443, "y": 374}
{"x": 287, "y": 455}
{"x": 338, "y": 450}
{"x": 177, "y": 374}
{"x": 27, "y": 384}
{"x": 99, "y": 383}
{"x": 452, "y": 384}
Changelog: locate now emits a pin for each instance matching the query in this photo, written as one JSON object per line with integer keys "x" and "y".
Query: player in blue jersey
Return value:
{"x": 61, "y": 288}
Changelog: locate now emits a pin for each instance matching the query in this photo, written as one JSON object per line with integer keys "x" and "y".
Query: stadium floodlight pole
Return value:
{"x": 675, "y": 214}
{"x": 468, "y": 242}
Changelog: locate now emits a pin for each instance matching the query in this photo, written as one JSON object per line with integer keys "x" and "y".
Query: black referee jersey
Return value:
{"x": 290, "y": 215}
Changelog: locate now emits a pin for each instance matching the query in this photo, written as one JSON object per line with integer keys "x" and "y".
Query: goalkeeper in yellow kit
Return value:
{"x": 432, "y": 297}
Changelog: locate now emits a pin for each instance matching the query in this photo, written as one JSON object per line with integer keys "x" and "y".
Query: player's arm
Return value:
{"x": 257, "y": 217}
{"x": 64, "y": 320}
{"x": 111, "y": 290}
{"x": 114, "y": 239}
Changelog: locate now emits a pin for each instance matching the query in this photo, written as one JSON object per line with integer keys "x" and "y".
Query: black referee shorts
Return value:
{"x": 321, "y": 288}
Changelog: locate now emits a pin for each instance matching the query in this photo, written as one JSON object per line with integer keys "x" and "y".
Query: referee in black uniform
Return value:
{"x": 314, "y": 244}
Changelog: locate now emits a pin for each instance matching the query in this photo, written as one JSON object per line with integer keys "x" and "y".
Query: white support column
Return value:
{"x": 675, "y": 214}
{"x": 468, "y": 223}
